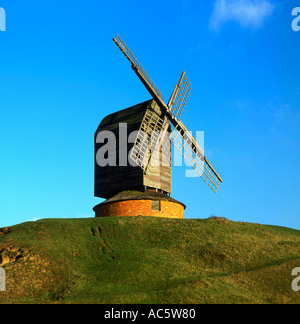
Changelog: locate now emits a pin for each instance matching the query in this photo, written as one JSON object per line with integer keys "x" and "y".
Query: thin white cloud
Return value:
{"x": 32, "y": 219}
{"x": 83, "y": 216}
{"x": 248, "y": 13}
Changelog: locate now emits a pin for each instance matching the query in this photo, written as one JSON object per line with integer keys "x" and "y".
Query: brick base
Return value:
{"x": 168, "y": 209}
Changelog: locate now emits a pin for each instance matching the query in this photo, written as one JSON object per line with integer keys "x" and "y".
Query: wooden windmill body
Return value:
{"x": 111, "y": 180}
{"x": 143, "y": 186}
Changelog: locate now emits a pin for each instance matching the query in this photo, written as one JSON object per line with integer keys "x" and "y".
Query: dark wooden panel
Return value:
{"x": 110, "y": 180}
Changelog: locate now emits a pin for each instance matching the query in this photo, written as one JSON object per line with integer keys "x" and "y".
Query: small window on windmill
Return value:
{"x": 155, "y": 205}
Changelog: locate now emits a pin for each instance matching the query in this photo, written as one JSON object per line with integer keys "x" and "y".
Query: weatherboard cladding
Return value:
{"x": 110, "y": 180}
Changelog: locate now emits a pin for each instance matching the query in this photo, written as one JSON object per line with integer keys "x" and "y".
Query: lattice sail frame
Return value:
{"x": 182, "y": 96}
{"x": 194, "y": 155}
{"x": 146, "y": 143}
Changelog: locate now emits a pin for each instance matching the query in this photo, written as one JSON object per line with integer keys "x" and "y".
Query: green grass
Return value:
{"x": 148, "y": 260}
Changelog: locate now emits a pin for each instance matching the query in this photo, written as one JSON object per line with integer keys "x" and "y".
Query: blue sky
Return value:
{"x": 61, "y": 74}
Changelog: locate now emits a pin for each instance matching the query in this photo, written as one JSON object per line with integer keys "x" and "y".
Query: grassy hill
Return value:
{"x": 148, "y": 260}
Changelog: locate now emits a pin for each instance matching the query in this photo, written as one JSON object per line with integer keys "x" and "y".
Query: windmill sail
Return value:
{"x": 147, "y": 138}
{"x": 194, "y": 155}
{"x": 180, "y": 96}
{"x": 153, "y": 128}
{"x": 137, "y": 67}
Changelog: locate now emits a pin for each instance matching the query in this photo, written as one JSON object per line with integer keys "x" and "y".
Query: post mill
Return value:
{"x": 141, "y": 185}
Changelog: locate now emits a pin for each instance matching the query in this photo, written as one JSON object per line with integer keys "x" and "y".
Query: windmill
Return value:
{"x": 153, "y": 119}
